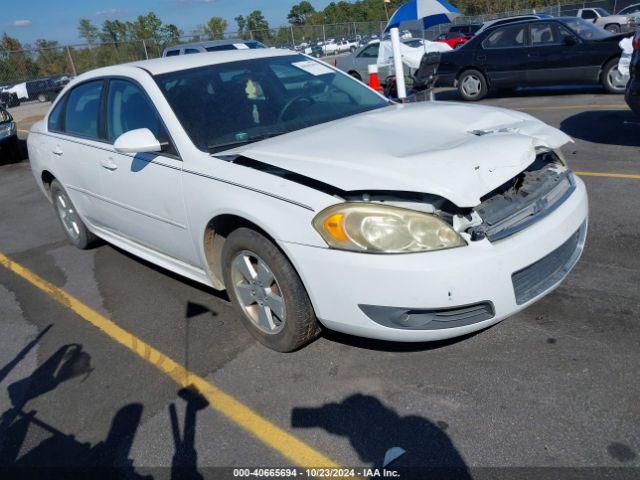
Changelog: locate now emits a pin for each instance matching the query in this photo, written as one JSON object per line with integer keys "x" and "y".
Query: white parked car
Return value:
{"x": 311, "y": 198}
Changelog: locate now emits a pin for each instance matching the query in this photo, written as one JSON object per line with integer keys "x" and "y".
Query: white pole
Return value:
{"x": 397, "y": 63}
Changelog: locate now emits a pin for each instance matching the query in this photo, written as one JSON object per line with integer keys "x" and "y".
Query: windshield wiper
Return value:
{"x": 218, "y": 147}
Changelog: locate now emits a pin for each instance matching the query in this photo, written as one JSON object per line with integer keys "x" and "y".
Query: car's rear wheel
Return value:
{"x": 613, "y": 28}
{"x": 472, "y": 85}
{"x": 267, "y": 292}
{"x": 612, "y": 80}
{"x": 42, "y": 97}
{"x": 73, "y": 226}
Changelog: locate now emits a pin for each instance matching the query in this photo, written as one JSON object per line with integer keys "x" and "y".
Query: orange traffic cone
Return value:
{"x": 374, "y": 81}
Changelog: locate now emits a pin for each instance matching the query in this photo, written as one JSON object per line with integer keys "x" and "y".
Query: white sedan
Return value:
{"x": 312, "y": 199}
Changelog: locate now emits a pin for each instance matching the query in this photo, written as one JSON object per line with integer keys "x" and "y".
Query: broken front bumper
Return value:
{"x": 479, "y": 276}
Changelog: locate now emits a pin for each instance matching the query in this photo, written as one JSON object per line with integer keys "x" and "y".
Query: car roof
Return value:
{"x": 210, "y": 43}
{"x": 158, "y": 66}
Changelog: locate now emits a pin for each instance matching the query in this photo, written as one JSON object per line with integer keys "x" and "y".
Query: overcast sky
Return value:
{"x": 29, "y": 20}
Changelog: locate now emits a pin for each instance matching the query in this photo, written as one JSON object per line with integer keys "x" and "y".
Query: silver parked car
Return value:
{"x": 357, "y": 63}
{"x": 211, "y": 46}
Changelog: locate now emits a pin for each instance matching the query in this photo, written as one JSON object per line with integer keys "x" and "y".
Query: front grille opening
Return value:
{"x": 525, "y": 199}
{"x": 538, "y": 277}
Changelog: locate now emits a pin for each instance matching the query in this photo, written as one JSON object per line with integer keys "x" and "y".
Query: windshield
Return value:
{"x": 602, "y": 12}
{"x": 586, "y": 30}
{"x": 229, "y": 104}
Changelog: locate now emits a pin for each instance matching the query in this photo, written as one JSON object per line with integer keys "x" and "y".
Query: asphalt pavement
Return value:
{"x": 554, "y": 387}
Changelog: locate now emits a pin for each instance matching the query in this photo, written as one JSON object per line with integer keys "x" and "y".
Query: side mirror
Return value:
{"x": 570, "y": 40}
{"x": 137, "y": 141}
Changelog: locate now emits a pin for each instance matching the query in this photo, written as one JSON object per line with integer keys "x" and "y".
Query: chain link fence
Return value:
{"x": 40, "y": 73}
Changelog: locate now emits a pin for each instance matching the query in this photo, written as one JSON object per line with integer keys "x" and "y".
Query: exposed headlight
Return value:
{"x": 557, "y": 151}
{"x": 375, "y": 228}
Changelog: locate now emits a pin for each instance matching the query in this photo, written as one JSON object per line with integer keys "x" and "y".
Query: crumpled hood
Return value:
{"x": 457, "y": 151}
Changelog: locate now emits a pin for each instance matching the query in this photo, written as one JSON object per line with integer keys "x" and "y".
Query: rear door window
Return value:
{"x": 370, "y": 52}
{"x": 513, "y": 36}
{"x": 83, "y": 107}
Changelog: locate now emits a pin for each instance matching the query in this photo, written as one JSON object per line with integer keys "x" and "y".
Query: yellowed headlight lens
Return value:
{"x": 373, "y": 227}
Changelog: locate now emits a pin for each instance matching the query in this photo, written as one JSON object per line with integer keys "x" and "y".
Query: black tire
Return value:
{"x": 482, "y": 85}
{"x": 42, "y": 97}
{"x": 613, "y": 28}
{"x": 10, "y": 151}
{"x": 83, "y": 239}
{"x": 300, "y": 325}
{"x": 355, "y": 75}
{"x": 634, "y": 105}
{"x": 606, "y": 79}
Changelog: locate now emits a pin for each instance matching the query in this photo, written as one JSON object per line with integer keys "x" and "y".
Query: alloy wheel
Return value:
{"x": 68, "y": 216}
{"x": 258, "y": 292}
{"x": 471, "y": 85}
{"x": 616, "y": 79}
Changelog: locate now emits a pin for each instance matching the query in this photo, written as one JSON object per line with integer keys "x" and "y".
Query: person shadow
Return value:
{"x": 422, "y": 448}
{"x": 61, "y": 455}
{"x": 184, "y": 464}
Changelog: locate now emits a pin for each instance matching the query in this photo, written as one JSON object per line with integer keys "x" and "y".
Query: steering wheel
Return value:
{"x": 293, "y": 101}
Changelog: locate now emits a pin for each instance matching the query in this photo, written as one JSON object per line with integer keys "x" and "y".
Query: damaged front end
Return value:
{"x": 525, "y": 199}
{"x": 518, "y": 203}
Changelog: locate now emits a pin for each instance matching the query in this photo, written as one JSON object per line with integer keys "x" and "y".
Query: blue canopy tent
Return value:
{"x": 430, "y": 12}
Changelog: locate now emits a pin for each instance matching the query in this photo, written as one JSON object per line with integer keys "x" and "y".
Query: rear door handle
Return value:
{"x": 533, "y": 55}
{"x": 109, "y": 164}
{"x": 481, "y": 57}
{"x": 57, "y": 151}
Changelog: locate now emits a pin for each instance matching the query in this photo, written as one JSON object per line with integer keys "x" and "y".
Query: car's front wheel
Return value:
{"x": 612, "y": 80}
{"x": 472, "y": 85}
{"x": 73, "y": 226}
{"x": 267, "y": 292}
{"x": 613, "y": 28}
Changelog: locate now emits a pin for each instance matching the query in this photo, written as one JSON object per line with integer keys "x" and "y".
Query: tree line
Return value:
{"x": 115, "y": 41}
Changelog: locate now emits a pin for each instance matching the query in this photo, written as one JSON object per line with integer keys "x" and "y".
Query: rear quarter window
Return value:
{"x": 55, "y": 123}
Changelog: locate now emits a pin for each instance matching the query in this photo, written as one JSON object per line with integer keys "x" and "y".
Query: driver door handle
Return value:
{"x": 109, "y": 164}
{"x": 57, "y": 151}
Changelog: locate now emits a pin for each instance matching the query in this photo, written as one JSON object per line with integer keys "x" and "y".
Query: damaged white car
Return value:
{"x": 311, "y": 198}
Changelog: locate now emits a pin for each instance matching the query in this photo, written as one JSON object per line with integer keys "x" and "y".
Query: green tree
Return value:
{"x": 215, "y": 28}
{"x": 15, "y": 63}
{"x": 147, "y": 27}
{"x": 242, "y": 23}
{"x": 258, "y": 26}
{"x": 52, "y": 58}
{"x": 171, "y": 34}
{"x": 113, "y": 31}
{"x": 300, "y": 13}
{"x": 88, "y": 31}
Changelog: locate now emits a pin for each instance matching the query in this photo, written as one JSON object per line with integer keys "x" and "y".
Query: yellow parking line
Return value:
{"x": 605, "y": 174}
{"x": 618, "y": 106}
{"x": 281, "y": 441}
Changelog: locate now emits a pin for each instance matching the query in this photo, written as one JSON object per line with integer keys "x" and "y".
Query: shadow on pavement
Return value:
{"x": 185, "y": 460}
{"x": 388, "y": 346}
{"x": 546, "y": 91}
{"x": 609, "y": 127}
{"x": 62, "y": 455}
{"x": 373, "y": 429}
